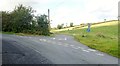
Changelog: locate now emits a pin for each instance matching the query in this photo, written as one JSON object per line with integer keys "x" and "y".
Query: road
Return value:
{"x": 60, "y": 49}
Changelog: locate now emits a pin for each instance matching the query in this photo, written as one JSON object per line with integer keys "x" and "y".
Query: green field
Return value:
{"x": 103, "y": 38}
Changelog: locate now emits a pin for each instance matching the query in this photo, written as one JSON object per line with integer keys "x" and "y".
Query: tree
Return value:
{"x": 6, "y": 21}
{"x": 82, "y": 24}
{"x": 71, "y": 24}
{"x": 60, "y": 26}
{"x": 22, "y": 18}
{"x": 43, "y": 25}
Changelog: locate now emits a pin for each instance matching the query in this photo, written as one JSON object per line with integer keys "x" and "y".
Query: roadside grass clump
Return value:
{"x": 7, "y": 32}
{"x": 100, "y": 35}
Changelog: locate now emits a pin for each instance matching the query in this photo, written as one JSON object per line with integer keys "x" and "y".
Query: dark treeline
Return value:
{"x": 22, "y": 20}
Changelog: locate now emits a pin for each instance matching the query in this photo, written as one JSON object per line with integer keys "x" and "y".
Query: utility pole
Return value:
{"x": 49, "y": 19}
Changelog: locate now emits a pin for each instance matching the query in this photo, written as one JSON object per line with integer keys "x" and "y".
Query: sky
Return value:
{"x": 67, "y": 11}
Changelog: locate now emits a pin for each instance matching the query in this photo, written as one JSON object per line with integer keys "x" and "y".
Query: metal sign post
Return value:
{"x": 88, "y": 29}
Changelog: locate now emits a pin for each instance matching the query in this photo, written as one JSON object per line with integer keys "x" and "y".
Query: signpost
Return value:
{"x": 88, "y": 29}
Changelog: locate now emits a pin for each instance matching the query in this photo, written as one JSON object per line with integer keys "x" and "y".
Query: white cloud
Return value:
{"x": 94, "y": 10}
{"x": 76, "y": 11}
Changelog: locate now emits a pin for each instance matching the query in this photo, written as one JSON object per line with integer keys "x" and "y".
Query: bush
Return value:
{"x": 71, "y": 25}
{"x": 59, "y": 26}
{"x": 21, "y": 20}
{"x": 100, "y": 35}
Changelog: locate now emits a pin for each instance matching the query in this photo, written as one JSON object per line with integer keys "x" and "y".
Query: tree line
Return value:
{"x": 23, "y": 20}
{"x": 60, "y": 26}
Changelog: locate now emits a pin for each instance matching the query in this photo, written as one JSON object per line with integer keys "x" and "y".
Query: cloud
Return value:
{"x": 66, "y": 11}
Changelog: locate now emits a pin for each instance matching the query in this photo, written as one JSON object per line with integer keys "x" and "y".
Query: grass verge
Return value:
{"x": 24, "y": 34}
{"x": 103, "y": 38}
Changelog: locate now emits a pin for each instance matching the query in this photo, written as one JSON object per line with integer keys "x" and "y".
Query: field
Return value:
{"x": 103, "y": 37}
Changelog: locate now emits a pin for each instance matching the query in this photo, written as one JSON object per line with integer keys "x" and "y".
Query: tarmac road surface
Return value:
{"x": 60, "y": 49}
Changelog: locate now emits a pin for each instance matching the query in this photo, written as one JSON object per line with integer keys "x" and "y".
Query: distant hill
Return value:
{"x": 97, "y": 24}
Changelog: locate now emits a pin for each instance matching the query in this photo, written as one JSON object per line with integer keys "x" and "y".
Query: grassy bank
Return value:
{"x": 103, "y": 38}
{"x": 24, "y": 34}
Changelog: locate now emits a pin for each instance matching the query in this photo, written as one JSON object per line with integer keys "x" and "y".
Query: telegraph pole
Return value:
{"x": 49, "y": 19}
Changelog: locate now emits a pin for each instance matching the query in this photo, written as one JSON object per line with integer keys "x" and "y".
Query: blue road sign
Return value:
{"x": 88, "y": 29}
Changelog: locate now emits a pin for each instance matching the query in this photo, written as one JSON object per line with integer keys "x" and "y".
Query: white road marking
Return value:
{"x": 100, "y": 54}
{"x": 44, "y": 39}
{"x": 72, "y": 45}
{"x": 85, "y": 50}
{"x": 65, "y": 38}
{"x": 81, "y": 48}
{"x": 21, "y": 36}
{"x": 76, "y": 48}
{"x": 53, "y": 38}
{"x": 92, "y": 50}
{"x": 37, "y": 51}
{"x": 40, "y": 39}
{"x": 59, "y": 39}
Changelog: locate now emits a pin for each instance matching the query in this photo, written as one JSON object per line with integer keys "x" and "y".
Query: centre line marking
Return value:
{"x": 92, "y": 50}
{"x": 72, "y": 45}
{"x": 21, "y": 36}
{"x": 59, "y": 39}
{"x": 65, "y": 38}
{"x": 100, "y": 54}
{"x": 85, "y": 50}
{"x": 40, "y": 39}
{"x": 43, "y": 39}
{"x": 79, "y": 47}
{"x": 53, "y": 38}
{"x": 76, "y": 48}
